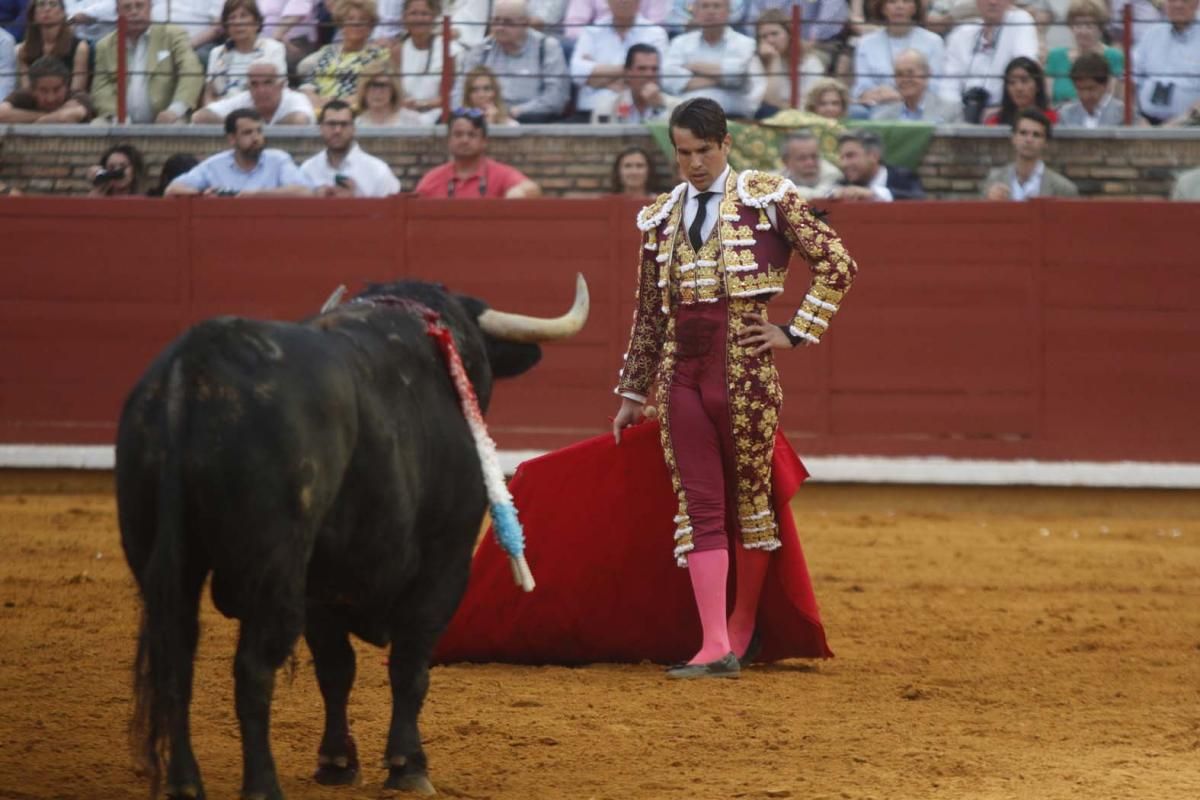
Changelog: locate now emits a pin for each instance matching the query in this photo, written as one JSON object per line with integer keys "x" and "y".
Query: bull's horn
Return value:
{"x": 520, "y": 328}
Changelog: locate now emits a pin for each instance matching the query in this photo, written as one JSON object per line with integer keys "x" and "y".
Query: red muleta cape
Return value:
{"x": 598, "y": 522}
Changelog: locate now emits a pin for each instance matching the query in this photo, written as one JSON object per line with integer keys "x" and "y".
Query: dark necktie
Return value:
{"x": 698, "y": 223}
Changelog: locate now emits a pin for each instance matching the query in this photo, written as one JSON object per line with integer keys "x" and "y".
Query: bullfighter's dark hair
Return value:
{"x": 703, "y": 117}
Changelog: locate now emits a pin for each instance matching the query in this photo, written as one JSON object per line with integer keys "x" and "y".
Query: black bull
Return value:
{"x": 325, "y": 476}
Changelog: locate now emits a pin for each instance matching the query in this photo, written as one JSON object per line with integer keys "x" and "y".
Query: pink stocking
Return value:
{"x": 709, "y": 571}
{"x": 751, "y": 570}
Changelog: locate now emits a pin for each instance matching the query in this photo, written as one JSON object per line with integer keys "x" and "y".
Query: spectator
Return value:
{"x": 642, "y": 99}
{"x": 229, "y": 63}
{"x": 469, "y": 20}
{"x": 199, "y": 19}
{"x": 633, "y": 174}
{"x": 547, "y": 16}
{"x": 875, "y": 56}
{"x": 48, "y": 100}
{"x": 175, "y": 165}
{"x": 598, "y": 60}
{"x": 530, "y": 65}
{"x": 293, "y": 24}
{"x": 481, "y": 91}
{"x": 245, "y": 169}
{"x": 120, "y": 173}
{"x": 805, "y": 167}
{"x": 268, "y": 95}
{"x": 978, "y": 51}
{"x": 420, "y": 58}
{"x": 164, "y": 78}
{"x": 343, "y": 169}
{"x": 391, "y": 21}
{"x": 380, "y": 100}
{"x": 1167, "y": 64}
{"x": 773, "y": 34}
{"x": 337, "y": 65}
{"x": 828, "y": 98}
{"x": 1024, "y": 87}
{"x": 1147, "y": 14}
{"x": 91, "y": 20}
{"x": 1027, "y": 176}
{"x": 581, "y": 13}
{"x": 1187, "y": 186}
{"x": 824, "y": 20}
{"x": 470, "y": 173}
{"x": 866, "y": 177}
{"x": 12, "y": 17}
{"x": 716, "y": 62}
{"x": 1086, "y": 19}
{"x": 48, "y": 34}
{"x": 1094, "y": 105}
{"x": 918, "y": 103}
{"x": 8, "y": 63}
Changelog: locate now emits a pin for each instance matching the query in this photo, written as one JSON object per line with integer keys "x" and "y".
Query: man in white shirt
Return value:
{"x": 1166, "y": 64}
{"x": 598, "y": 61}
{"x": 268, "y": 95}
{"x": 978, "y": 51}
{"x": 804, "y": 166}
{"x": 715, "y": 62}
{"x": 642, "y": 100}
{"x": 343, "y": 169}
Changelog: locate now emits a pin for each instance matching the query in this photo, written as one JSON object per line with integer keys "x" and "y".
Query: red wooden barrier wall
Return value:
{"x": 1050, "y": 330}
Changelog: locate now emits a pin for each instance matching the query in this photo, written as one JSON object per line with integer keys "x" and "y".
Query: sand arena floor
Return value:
{"x": 992, "y": 643}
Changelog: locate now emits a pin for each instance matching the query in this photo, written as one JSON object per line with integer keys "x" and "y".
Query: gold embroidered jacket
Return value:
{"x": 746, "y": 261}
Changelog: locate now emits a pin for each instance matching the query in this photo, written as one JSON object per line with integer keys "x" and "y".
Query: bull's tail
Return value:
{"x": 161, "y": 677}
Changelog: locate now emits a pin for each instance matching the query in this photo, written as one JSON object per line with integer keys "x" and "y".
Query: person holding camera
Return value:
{"x": 978, "y": 51}
{"x": 120, "y": 173}
{"x": 247, "y": 168}
{"x": 343, "y": 169}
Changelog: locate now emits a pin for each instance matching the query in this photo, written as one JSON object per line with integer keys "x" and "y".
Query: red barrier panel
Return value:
{"x": 1049, "y": 330}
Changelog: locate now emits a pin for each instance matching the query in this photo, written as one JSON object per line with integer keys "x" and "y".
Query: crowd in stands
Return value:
{"x": 1028, "y": 65}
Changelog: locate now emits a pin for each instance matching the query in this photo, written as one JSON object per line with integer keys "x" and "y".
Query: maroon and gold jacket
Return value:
{"x": 746, "y": 261}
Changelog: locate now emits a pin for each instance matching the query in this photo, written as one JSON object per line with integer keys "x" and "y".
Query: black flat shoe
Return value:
{"x": 752, "y": 650}
{"x": 725, "y": 667}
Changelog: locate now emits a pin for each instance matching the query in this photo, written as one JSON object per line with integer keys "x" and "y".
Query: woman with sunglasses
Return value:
{"x": 380, "y": 100}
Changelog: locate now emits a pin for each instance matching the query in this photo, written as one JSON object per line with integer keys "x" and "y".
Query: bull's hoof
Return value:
{"x": 186, "y": 791}
{"x": 413, "y": 784}
{"x": 336, "y": 775}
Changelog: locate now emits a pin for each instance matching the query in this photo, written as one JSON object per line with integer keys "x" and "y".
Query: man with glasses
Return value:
{"x": 164, "y": 77}
{"x": 470, "y": 173}
{"x": 530, "y": 65}
{"x": 343, "y": 169}
{"x": 267, "y": 94}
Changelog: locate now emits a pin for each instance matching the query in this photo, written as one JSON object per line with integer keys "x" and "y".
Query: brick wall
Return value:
{"x": 568, "y": 160}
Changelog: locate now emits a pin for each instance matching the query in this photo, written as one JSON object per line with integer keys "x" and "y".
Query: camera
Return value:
{"x": 974, "y": 101}
{"x": 108, "y": 176}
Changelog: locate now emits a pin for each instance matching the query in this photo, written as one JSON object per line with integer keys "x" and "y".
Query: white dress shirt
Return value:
{"x": 372, "y": 177}
{"x": 291, "y": 102}
{"x": 970, "y": 64}
{"x": 602, "y": 44}
{"x": 1031, "y": 188}
{"x": 742, "y": 84}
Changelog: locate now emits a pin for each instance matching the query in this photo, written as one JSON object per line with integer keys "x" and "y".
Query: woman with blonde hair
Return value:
{"x": 1087, "y": 20}
{"x": 336, "y": 66}
{"x": 481, "y": 90}
{"x": 48, "y": 34}
{"x": 827, "y": 98}
{"x": 380, "y": 100}
{"x": 774, "y": 36}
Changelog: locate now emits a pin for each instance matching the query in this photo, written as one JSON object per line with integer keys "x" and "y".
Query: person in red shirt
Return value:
{"x": 469, "y": 172}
